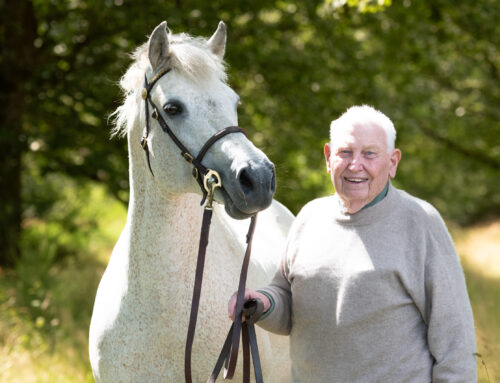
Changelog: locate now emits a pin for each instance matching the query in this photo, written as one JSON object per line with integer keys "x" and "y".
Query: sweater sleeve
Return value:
{"x": 450, "y": 335}
{"x": 278, "y": 320}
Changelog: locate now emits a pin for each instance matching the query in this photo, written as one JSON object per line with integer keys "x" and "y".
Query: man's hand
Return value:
{"x": 249, "y": 294}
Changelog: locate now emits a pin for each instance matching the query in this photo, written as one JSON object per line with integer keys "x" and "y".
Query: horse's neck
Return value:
{"x": 162, "y": 234}
{"x": 161, "y": 227}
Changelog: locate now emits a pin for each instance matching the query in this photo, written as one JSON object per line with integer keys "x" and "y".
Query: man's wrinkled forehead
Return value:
{"x": 359, "y": 134}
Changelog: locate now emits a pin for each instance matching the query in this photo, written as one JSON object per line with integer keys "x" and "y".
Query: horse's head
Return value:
{"x": 195, "y": 102}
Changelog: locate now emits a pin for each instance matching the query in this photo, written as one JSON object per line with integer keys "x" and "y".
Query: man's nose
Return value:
{"x": 356, "y": 163}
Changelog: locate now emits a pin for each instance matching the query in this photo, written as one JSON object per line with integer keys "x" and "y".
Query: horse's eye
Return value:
{"x": 172, "y": 108}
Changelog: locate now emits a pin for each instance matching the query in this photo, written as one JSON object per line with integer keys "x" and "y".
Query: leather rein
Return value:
{"x": 209, "y": 180}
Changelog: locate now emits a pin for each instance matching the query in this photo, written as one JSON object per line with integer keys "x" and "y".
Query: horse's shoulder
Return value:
{"x": 278, "y": 215}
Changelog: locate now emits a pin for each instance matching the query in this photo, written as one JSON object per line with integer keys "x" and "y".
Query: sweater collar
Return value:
{"x": 373, "y": 211}
{"x": 380, "y": 196}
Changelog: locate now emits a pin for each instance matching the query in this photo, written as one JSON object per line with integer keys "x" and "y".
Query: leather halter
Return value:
{"x": 201, "y": 174}
{"x": 209, "y": 180}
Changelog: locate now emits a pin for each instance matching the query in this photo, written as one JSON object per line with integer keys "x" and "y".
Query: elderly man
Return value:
{"x": 370, "y": 288}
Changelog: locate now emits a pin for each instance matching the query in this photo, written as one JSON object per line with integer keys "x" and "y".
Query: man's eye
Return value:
{"x": 172, "y": 109}
{"x": 343, "y": 154}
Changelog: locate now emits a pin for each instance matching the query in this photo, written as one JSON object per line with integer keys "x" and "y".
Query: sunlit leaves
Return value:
{"x": 431, "y": 66}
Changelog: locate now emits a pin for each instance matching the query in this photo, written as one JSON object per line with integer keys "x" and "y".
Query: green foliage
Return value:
{"x": 79, "y": 219}
{"x": 431, "y": 66}
{"x": 421, "y": 63}
{"x": 46, "y": 302}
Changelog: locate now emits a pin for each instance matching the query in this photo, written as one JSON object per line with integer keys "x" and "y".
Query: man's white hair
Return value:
{"x": 362, "y": 115}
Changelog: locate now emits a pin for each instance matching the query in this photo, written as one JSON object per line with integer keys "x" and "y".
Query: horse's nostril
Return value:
{"x": 245, "y": 182}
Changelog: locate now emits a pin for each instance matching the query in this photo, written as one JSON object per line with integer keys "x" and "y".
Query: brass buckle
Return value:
{"x": 144, "y": 142}
{"x": 188, "y": 157}
{"x": 195, "y": 173}
{"x": 211, "y": 181}
{"x": 155, "y": 114}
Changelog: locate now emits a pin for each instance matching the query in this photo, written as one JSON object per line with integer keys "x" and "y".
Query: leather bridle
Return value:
{"x": 209, "y": 180}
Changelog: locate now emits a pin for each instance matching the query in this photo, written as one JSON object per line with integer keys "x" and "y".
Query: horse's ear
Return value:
{"x": 158, "y": 51}
{"x": 217, "y": 42}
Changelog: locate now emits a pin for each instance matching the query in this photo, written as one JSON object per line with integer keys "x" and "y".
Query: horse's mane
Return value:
{"x": 189, "y": 55}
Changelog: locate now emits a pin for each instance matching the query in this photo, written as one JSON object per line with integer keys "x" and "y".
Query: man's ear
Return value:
{"x": 395, "y": 158}
{"x": 328, "y": 153}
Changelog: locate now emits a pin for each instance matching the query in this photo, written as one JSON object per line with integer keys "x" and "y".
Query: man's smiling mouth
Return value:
{"x": 355, "y": 180}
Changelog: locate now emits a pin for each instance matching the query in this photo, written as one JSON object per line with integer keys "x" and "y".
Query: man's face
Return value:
{"x": 359, "y": 164}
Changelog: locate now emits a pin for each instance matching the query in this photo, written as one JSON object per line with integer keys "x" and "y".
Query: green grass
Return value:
{"x": 46, "y": 302}
{"x": 479, "y": 251}
{"x": 484, "y": 293}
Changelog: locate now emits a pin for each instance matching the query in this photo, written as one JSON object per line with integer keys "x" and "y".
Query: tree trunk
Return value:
{"x": 17, "y": 61}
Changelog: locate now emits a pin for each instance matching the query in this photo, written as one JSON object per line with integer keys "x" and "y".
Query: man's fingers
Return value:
{"x": 231, "y": 305}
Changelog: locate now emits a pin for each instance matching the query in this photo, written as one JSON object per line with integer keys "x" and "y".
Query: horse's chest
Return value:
{"x": 145, "y": 340}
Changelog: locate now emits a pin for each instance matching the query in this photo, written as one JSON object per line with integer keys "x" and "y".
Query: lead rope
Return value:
{"x": 252, "y": 309}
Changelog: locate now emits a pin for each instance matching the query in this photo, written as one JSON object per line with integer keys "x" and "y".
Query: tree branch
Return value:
{"x": 452, "y": 145}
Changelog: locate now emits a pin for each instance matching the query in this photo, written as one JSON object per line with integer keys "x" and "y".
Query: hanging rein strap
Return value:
{"x": 252, "y": 310}
{"x": 209, "y": 180}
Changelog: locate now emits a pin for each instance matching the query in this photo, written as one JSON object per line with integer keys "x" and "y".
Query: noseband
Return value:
{"x": 208, "y": 179}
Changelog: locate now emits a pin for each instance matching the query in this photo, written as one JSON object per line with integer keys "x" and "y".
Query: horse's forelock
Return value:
{"x": 192, "y": 56}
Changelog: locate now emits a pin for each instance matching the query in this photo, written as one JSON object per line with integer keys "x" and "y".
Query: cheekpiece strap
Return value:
{"x": 146, "y": 97}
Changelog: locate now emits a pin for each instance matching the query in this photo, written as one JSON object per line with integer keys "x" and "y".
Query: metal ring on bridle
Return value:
{"x": 211, "y": 181}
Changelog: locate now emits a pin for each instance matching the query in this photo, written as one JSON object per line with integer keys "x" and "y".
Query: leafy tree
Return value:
{"x": 432, "y": 66}
{"x": 17, "y": 53}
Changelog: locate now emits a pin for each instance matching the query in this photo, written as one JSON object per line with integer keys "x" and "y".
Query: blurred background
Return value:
{"x": 432, "y": 66}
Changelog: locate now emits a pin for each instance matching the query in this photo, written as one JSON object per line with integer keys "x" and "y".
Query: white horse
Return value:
{"x": 141, "y": 312}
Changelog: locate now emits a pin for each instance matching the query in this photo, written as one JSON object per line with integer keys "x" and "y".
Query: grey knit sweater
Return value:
{"x": 376, "y": 296}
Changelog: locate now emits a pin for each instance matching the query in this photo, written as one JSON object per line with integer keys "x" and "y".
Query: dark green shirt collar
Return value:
{"x": 379, "y": 197}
